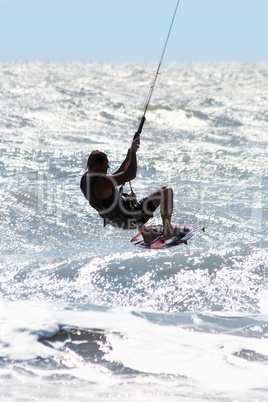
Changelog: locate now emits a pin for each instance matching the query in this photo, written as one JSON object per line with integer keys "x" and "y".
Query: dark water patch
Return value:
{"x": 90, "y": 346}
{"x": 251, "y": 355}
{"x": 208, "y": 102}
{"x": 240, "y": 326}
{"x": 245, "y": 326}
{"x": 197, "y": 114}
{"x": 118, "y": 105}
{"x": 74, "y": 93}
{"x": 16, "y": 121}
{"x": 107, "y": 116}
{"x": 261, "y": 116}
{"x": 161, "y": 107}
{"x": 224, "y": 121}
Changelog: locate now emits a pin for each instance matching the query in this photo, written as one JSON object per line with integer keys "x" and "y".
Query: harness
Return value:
{"x": 112, "y": 209}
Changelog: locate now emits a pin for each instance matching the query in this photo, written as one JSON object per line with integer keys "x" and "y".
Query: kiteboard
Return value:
{"x": 159, "y": 242}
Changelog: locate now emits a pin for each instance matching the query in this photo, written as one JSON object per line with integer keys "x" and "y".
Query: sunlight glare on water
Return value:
{"x": 84, "y": 311}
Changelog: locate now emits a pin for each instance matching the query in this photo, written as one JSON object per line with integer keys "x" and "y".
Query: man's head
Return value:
{"x": 97, "y": 161}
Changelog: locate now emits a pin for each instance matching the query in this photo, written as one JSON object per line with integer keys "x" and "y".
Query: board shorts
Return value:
{"x": 132, "y": 216}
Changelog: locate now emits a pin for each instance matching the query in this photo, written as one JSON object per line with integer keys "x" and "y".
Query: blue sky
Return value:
{"x": 133, "y": 30}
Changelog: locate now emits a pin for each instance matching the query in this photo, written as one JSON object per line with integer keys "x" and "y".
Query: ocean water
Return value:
{"x": 84, "y": 314}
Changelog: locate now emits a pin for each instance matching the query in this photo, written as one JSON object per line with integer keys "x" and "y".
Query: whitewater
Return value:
{"x": 84, "y": 314}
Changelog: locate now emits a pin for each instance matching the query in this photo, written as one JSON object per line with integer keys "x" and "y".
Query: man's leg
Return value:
{"x": 164, "y": 198}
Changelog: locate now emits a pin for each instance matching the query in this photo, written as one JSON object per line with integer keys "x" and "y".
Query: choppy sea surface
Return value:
{"x": 84, "y": 314}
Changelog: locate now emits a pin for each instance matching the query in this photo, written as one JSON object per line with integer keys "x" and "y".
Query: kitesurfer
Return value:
{"x": 123, "y": 210}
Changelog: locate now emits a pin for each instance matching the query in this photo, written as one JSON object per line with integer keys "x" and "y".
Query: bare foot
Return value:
{"x": 150, "y": 234}
{"x": 175, "y": 232}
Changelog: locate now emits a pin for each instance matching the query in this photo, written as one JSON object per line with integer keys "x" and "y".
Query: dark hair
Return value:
{"x": 94, "y": 158}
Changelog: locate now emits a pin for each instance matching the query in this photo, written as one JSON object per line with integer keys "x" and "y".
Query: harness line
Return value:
{"x": 137, "y": 134}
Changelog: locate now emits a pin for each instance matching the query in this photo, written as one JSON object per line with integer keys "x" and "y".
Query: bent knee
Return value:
{"x": 166, "y": 188}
